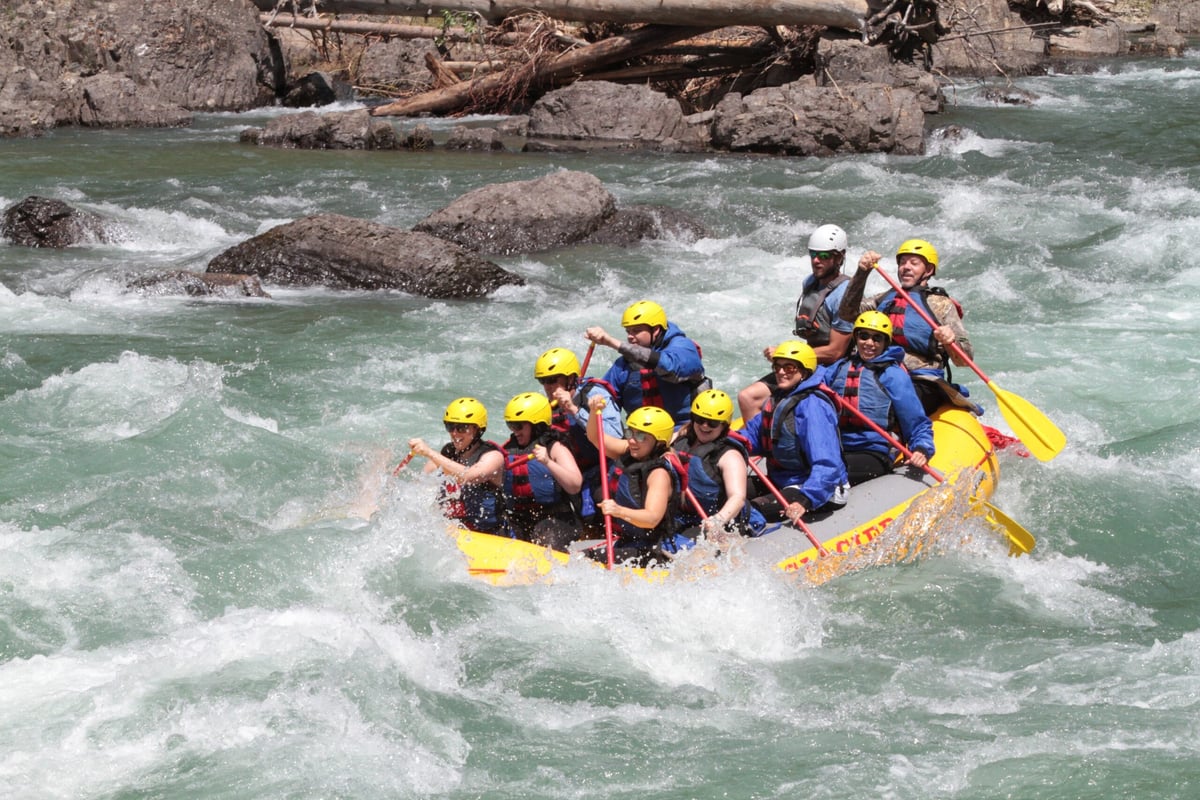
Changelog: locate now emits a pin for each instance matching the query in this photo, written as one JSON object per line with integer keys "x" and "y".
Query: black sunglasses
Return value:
{"x": 459, "y": 427}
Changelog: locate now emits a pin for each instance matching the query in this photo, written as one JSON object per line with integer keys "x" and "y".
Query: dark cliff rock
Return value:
{"x": 124, "y": 63}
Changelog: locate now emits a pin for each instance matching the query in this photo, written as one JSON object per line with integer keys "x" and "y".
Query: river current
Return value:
{"x": 211, "y": 587}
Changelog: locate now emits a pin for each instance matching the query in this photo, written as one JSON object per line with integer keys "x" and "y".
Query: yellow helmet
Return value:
{"x": 713, "y": 404}
{"x": 556, "y": 361}
{"x": 528, "y": 407}
{"x": 874, "y": 321}
{"x": 921, "y": 248}
{"x": 795, "y": 350}
{"x": 644, "y": 312}
{"x": 466, "y": 410}
{"x": 654, "y": 421}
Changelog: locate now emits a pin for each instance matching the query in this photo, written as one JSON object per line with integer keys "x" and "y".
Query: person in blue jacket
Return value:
{"x": 797, "y": 433}
{"x": 659, "y": 365}
{"x": 873, "y": 381}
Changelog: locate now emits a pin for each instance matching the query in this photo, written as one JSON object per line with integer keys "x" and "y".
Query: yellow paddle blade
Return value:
{"x": 1035, "y": 430}
{"x": 1019, "y": 540}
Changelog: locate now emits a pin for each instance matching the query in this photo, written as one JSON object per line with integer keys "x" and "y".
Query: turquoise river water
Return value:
{"x": 210, "y": 586}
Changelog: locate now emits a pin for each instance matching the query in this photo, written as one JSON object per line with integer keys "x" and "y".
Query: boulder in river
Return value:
{"x": 346, "y": 253}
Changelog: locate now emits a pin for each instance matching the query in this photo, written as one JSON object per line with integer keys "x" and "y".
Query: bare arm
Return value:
{"x": 658, "y": 494}
{"x": 562, "y": 466}
{"x": 733, "y": 476}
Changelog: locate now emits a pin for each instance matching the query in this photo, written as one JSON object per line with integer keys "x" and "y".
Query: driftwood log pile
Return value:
{"x": 670, "y": 41}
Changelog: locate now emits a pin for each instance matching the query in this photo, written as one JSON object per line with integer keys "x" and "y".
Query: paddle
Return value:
{"x": 587, "y": 359}
{"x": 404, "y": 462}
{"x": 1019, "y": 539}
{"x": 695, "y": 503}
{"x": 1039, "y": 435}
{"x": 608, "y": 528}
{"x": 783, "y": 503}
{"x": 518, "y": 461}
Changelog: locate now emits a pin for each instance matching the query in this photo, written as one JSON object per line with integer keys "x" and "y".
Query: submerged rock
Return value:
{"x": 198, "y": 284}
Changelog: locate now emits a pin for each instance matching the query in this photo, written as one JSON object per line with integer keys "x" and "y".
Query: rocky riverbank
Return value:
{"x": 127, "y": 63}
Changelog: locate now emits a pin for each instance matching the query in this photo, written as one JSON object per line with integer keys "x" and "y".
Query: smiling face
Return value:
{"x": 788, "y": 373}
{"x": 462, "y": 435}
{"x": 869, "y": 343}
{"x": 706, "y": 430}
{"x": 522, "y": 432}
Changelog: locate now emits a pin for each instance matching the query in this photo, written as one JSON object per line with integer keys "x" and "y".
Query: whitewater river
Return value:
{"x": 210, "y": 587}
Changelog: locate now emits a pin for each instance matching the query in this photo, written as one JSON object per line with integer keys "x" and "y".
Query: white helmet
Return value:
{"x": 828, "y": 237}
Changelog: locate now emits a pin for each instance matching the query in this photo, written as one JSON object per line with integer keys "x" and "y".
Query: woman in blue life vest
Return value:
{"x": 659, "y": 365}
{"x": 873, "y": 381}
{"x": 925, "y": 348}
{"x": 541, "y": 475}
{"x": 714, "y": 461}
{"x": 557, "y": 370}
{"x": 474, "y": 468}
{"x": 797, "y": 433}
{"x": 644, "y": 486}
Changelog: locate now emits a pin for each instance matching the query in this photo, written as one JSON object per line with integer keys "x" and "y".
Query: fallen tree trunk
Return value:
{"x": 560, "y": 69}
{"x": 332, "y": 25}
{"x": 848, "y": 14}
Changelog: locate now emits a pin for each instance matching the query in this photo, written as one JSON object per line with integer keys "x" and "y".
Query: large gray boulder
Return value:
{"x": 801, "y": 119}
{"x": 346, "y": 253}
{"x": 43, "y": 222}
{"x": 210, "y": 55}
{"x": 335, "y": 130}
{"x": 609, "y": 112}
{"x": 844, "y": 61}
{"x": 524, "y": 216}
